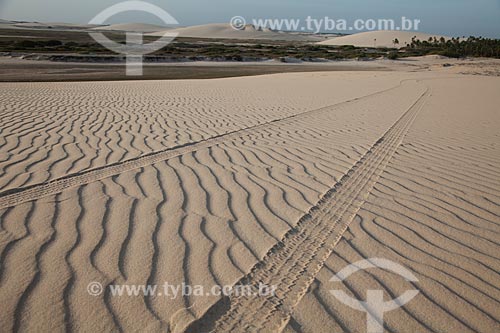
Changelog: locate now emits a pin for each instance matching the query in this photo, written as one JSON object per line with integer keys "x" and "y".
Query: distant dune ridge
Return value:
{"x": 281, "y": 180}
{"x": 6, "y": 24}
{"x": 226, "y": 31}
{"x": 212, "y": 30}
{"x": 381, "y": 38}
{"x": 132, "y": 27}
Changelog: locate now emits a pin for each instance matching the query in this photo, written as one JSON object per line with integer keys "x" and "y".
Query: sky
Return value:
{"x": 446, "y": 17}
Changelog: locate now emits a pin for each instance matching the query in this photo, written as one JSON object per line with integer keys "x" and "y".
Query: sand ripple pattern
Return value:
{"x": 15, "y": 196}
{"x": 293, "y": 263}
{"x": 50, "y": 130}
{"x": 435, "y": 210}
{"x": 205, "y": 216}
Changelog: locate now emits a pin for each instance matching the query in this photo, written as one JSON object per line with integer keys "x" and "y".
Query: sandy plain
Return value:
{"x": 282, "y": 179}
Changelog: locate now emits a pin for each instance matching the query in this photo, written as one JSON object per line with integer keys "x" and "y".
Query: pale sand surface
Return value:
{"x": 17, "y": 69}
{"x": 195, "y": 181}
{"x": 435, "y": 210}
{"x": 380, "y": 38}
{"x": 131, "y": 27}
{"x": 109, "y": 123}
{"x": 226, "y": 31}
{"x": 5, "y": 24}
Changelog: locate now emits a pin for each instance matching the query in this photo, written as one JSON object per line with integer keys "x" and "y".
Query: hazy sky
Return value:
{"x": 449, "y": 17}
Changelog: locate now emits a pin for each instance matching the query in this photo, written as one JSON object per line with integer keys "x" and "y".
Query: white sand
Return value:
{"x": 380, "y": 39}
{"x": 5, "y": 24}
{"x": 207, "y": 212}
{"x": 132, "y": 27}
{"x": 52, "y": 25}
{"x": 225, "y": 31}
{"x": 436, "y": 211}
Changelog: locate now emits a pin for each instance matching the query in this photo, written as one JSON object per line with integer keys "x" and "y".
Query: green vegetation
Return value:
{"x": 203, "y": 50}
{"x": 29, "y": 44}
{"x": 456, "y": 47}
{"x": 232, "y": 50}
{"x": 393, "y": 55}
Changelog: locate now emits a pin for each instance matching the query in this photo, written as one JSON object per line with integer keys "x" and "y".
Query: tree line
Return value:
{"x": 455, "y": 47}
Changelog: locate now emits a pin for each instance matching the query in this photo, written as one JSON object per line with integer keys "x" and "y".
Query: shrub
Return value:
{"x": 393, "y": 55}
{"x": 52, "y": 43}
{"x": 26, "y": 44}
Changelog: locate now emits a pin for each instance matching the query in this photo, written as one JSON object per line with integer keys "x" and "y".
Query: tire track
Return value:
{"x": 19, "y": 195}
{"x": 436, "y": 213}
{"x": 109, "y": 117}
{"x": 292, "y": 264}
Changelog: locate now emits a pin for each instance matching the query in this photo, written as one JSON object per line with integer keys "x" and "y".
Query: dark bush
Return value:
{"x": 52, "y": 43}
{"x": 393, "y": 55}
{"x": 26, "y": 44}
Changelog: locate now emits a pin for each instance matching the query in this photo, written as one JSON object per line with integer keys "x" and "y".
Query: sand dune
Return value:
{"x": 132, "y": 27}
{"x": 52, "y": 25}
{"x": 225, "y": 31}
{"x": 100, "y": 132}
{"x": 312, "y": 241}
{"x": 379, "y": 39}
{"x": 249, "y": 179}
{"x": 434, "y": 211}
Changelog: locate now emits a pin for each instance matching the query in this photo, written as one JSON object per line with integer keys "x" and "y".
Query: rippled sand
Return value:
{"x": 282, "y": 178}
